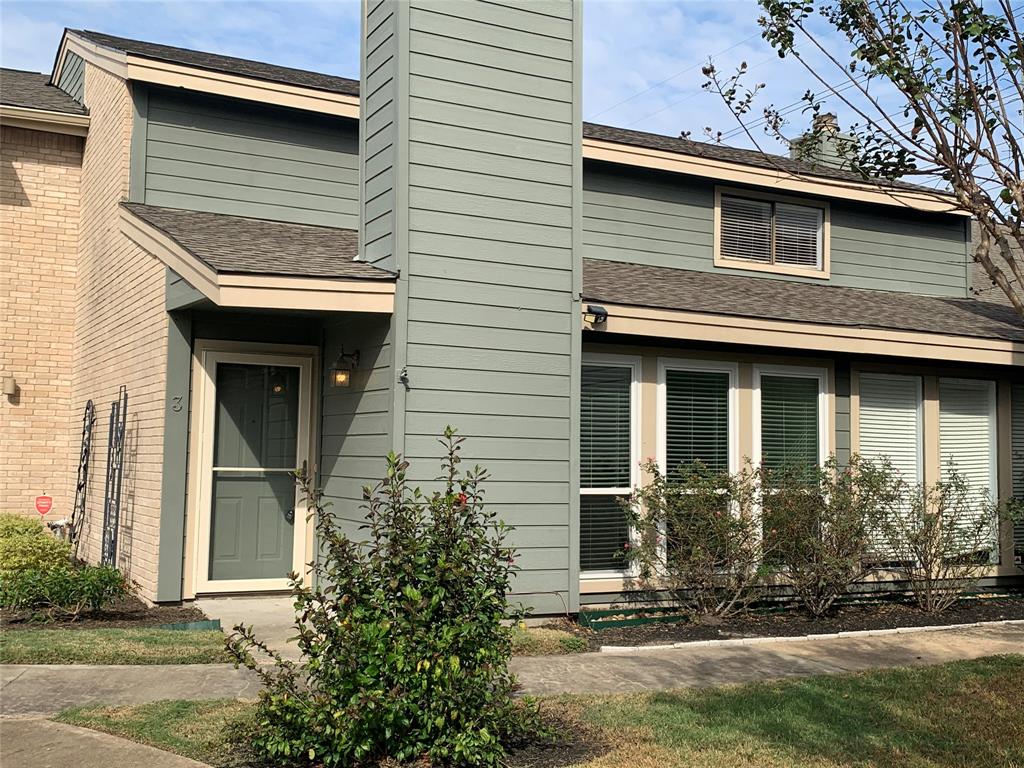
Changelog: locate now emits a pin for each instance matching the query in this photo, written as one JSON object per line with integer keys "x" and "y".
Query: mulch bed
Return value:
{"x": 794, "y": 622}
{"x": 123, "y": 614}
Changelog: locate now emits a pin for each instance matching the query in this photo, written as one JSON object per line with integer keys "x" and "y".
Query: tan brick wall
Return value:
{"x": 120, "y": 335}
{"x": 40, "y": 175}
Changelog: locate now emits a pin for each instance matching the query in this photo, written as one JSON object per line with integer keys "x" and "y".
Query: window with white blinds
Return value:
{"x": 607, "y": 456}
{"x": 791, "y": 420}
{"x": 891, "y": 429}
{"x": 1017, "y": 461}
{"x": 890, "y": 423}
{"x": 697, "y": 418}
{"x": 967, "y": 435}
{"x": 770, "y": 232}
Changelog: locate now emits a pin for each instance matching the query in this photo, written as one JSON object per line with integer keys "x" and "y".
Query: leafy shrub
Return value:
{"x": 821, "y": 522}
{"x": 941, "y": 539}
{"x": 19, "y": 525}
{"x": 404, "y": 653}
{"x": 698, "y": 538}
{"x": 65, "y": 591}
{"x": 25, "y": 544}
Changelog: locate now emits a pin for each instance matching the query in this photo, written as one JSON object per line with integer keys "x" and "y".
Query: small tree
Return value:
{"x": 933, "y": 90}
{"x": 820, "y": 522}
{"x": 698, "y": 538}
{"x": 941, "y": 538}
{"x": 404, "y": 652}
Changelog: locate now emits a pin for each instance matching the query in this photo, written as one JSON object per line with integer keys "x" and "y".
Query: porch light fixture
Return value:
{"x": 341, "y": 373}
{"x": 595, "y": 314}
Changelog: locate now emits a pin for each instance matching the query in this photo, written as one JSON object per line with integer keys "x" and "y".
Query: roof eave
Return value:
{"x": 255, "y": 291}
{"x": 47, "y": 120}
{"x": 131, "y": 66}
{"x": 633, "y": 320}
{"x": 767, "y": 178}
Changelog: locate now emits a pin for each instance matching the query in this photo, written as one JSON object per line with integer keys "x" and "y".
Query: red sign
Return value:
{"x": 44, "y": 504}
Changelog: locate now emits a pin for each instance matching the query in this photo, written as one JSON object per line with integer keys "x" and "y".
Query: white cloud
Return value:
{"x": 630, "y": 47}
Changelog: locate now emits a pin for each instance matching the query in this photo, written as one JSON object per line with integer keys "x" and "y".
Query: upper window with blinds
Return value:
{"x": 767, "y": 233}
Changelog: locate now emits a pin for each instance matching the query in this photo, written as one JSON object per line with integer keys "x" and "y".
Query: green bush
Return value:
{"x": 821, "y": 524}
{"x": 698, "y": 538}
{"x": 404, "y": 649}
{"x": 18, "y": 525}
{"x": 63, "y": 592}
{"x": 942, "y": 538}
{"x": 26, "y": 545}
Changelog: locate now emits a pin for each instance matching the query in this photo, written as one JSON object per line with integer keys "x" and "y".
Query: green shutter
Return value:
{"x": 605, "y": 427}
{"x": 697, "y": 419}
{"x": 789, "y": 421}
{"x": 603, "y": 533}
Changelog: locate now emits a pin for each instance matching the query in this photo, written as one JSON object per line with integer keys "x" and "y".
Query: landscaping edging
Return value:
{"x": 733, "y": 641}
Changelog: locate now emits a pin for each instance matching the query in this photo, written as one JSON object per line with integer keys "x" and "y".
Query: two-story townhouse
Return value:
{"x": 285, "y": 267}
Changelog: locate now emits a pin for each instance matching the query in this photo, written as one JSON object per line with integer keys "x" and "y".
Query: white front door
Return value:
{"x": 254, "y": 416}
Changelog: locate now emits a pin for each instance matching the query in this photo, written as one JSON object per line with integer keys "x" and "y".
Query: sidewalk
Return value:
{"x": 40, "y": 690}
{"x": 45, "y": 689}
{"x": 709, "y": 666}
{"x": 46, "y": 744}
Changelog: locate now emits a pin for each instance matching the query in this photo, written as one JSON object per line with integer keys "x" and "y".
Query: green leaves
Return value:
{"x": 404, "y": 649}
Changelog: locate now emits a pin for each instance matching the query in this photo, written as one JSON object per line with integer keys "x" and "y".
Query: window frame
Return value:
{"x": 822, "y": 272}
{"x": 666, "y": 364}
{"x": 920, "y": 434}
{"x": 635, "y": 364}
{"x": 992, "y": 395}
{"x": 824, "y": 410}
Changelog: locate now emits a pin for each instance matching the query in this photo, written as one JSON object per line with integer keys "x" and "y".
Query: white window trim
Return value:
{"x": 919, "y": 437}
{"x": 635, "y": 364}
{"x": 821, "y": 374}
{"x": 666, "y": 364}
{"x": 823, "y": 272}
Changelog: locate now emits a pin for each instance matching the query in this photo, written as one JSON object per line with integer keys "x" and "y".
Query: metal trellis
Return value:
{"x": 115, "y": 471}
{"x": 82, "y": 485}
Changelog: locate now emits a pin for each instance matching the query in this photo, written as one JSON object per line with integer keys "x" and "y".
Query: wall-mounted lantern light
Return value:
{"x": 341, "y": 372}
{"x": 595, "y": 314}
{"x": 10, "y": 386}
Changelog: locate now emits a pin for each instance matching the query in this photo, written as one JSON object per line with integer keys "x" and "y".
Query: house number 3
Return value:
{"x": 176, "y": 404}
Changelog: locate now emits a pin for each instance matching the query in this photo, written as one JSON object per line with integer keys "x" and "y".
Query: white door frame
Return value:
{"x": 205, "y": 416}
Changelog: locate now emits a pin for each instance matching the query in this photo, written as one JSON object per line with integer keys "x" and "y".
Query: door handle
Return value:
{"x": 290, "y": 515}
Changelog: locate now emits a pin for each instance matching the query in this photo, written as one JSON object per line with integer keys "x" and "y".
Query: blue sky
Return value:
{"x": 642, "y": 58}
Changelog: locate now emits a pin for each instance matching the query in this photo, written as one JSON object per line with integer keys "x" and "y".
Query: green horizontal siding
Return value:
{"x": 665, "y": 220}
{"x": 245, "y": 159}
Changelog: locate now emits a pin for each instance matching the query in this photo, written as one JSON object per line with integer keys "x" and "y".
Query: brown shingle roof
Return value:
{"x": 273, "y": 73}
{"x": 228, "y": 64}
{"x": 719, "y": 294}
{"x": 749, "y": 157}
{"x": 237, "y": 244}
{"x": 33, "y": 90}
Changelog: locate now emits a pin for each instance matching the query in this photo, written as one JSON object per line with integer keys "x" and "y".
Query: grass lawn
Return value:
{"x": 112, "y": 646}
{"x": 961, "y": 715}
{"x": 543, "y": 641}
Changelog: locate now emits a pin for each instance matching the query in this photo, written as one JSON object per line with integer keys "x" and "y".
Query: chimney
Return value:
{"x": 471, "y": 181}
{"x": 824, "y": 144}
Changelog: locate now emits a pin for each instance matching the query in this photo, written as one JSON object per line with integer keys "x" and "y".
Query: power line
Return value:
{"x": 689, "y": 96}
{"x": 669, "y": 78}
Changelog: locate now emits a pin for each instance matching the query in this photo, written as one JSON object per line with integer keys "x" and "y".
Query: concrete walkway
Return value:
{"x": 708, "y": 666}
{"x": 39, "y": 689}
{"x": 44, "y": 689}
{"x": 37, "y": 743}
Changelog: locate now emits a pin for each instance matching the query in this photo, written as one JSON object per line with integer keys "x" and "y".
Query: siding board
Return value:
{"x": 664, "y": 220}
{"x": 239, "y": 158}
